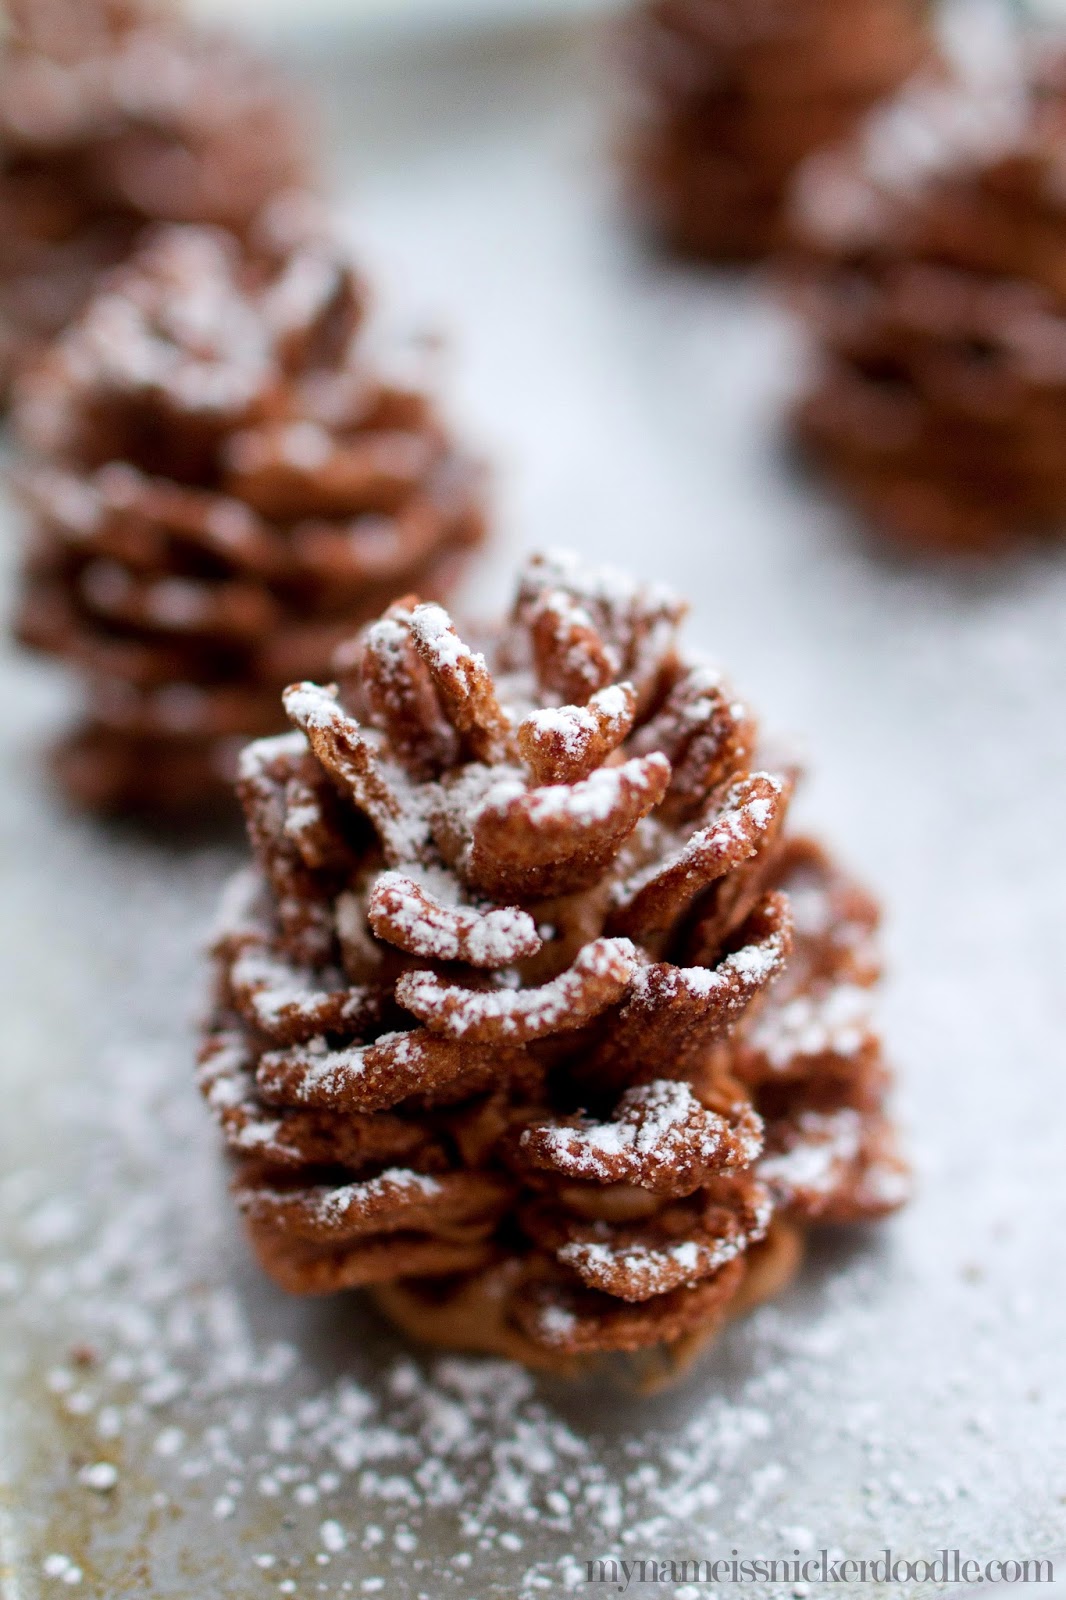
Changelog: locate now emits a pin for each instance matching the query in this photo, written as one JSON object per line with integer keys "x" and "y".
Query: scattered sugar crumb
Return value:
{"x": 101, "y": 1476}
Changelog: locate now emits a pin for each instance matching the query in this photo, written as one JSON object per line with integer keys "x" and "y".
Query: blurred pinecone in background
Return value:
{"x": 114, "y": 113}
{"x": 532, "y": 1015}
{"x": 728, "y": 96}
{"x": 932, "y": 256}
{"x": 222, "y": 482}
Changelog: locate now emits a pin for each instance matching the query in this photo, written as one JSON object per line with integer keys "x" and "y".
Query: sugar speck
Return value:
{"x": 101, "y": 1476}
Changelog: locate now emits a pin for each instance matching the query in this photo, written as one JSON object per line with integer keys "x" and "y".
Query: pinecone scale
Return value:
{"x": 931, "y": 268}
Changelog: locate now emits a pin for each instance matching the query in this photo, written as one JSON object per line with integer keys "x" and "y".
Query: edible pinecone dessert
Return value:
{"x": 113, "y": 114}
{"x": 935, "y": 280}
{"x": 532, "y": 1016}
{"x": 226, "y": 482}
{"x": 729, "y": 96}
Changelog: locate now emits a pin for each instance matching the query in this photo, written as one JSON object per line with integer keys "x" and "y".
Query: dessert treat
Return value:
{"x": 225, "y": 482}
{"x": 532, "y": 1016}
{"x": 935, "y": 280}
{"x": 113, "y": 114}
{"x": 728, "y": 96}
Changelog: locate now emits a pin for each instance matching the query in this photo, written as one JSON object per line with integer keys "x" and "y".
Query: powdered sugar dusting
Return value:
{"x": 576, "y": 726}
{"x": 277, "y": 991}
{"x": 937, "y": 124}
{"x": 734, "y": 825}
{"x": 647, "y": 1270}
{"x": 405, "y": 909}
{"x": 432, "y": 626}
{"x": 656, "y": 1126}
{"x": 816, "y": 1414}
{"x": 258, "y": 755}
{"x": 508, "y": 1012}
{"x": 812, "y": 1166}
{"x": 331, "y": 1208}
{"x": 837, "y": 1022}
{"x": 580, "y": 807}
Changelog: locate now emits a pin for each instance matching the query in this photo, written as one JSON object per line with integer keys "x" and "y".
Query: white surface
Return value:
{"x": 295, "y": 17}
{"x": 910, "y": 1390}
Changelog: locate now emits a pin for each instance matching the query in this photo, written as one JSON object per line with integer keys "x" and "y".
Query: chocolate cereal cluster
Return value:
{"x": 115, "y": 114}
{"x": 223, "y": 480}
{"x": 533, "y": 1016}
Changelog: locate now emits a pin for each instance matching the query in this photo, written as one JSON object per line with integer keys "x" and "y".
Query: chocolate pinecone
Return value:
{"x": 112, "y": 115}
{"x": 936, "y": 284}
{"x": 729, "y": 96}
{"x": 531, "y": 1015}
{"x": 225, "y": 485}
